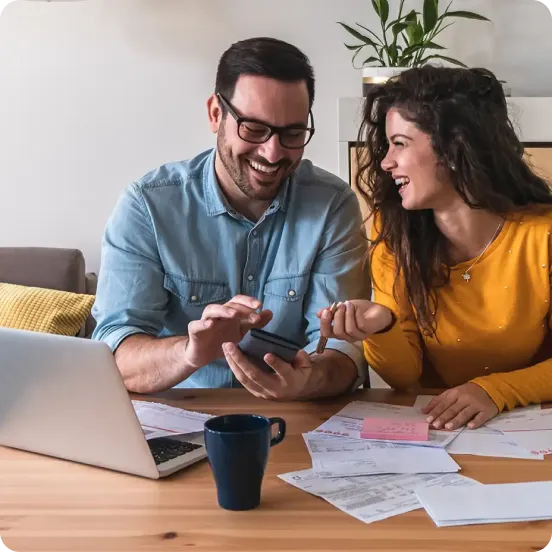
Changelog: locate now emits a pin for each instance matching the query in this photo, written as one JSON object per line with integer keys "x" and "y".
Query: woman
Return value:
{"x": 460, "y": 248}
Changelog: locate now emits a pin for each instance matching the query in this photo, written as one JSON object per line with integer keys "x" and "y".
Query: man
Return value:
{"x": 244, "y": 236}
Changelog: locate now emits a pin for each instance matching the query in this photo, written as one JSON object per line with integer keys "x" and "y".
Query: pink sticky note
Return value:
{"x": 394, "y": 430}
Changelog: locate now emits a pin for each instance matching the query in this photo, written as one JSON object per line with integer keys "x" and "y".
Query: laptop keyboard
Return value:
{"x": 164, "y": 449}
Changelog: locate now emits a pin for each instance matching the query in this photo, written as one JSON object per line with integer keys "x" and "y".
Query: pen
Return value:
{"x": 323, "y": 340}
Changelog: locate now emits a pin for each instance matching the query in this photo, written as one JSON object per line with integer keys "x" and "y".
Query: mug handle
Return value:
{"x": 281, "y": 430}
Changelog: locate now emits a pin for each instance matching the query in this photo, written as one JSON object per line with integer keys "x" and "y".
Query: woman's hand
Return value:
{"x": 354, "y": 320}
{"x": 456, "y": 407}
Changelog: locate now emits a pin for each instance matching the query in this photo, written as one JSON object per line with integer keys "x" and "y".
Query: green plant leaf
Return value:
{"x": 412, "y": 31}
{"x": 418, "y": 33}
{"x": 404, "y": 61}
{"x": 371, "y": 32}
{"x": 401, "y": 19}
{"x": 411, "y": 17}
{"x": 399, "y": 28}
{"x": 393, "y": 54}
{"x": 382, "y": 9}
{"x": 372, "y": 59}
{"x": 412, "y": 49}
{"x": 433, "y": 46}
{"x": 445, "y": 58}
{"x": 465, "y": 15}
{"x": 430, "y": 15}
{"x": 354, "y": 57}
{"x": 358, "y": 35}
{"x": 353, "y": 47}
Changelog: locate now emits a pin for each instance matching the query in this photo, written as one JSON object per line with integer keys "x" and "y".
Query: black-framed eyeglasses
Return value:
{"x": 258, "y": 132}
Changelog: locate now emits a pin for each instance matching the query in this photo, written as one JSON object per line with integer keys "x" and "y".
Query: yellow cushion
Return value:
{"x": 43, "y": 310}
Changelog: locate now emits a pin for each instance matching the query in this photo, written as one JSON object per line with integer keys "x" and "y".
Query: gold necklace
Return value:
{"x": 466, "y": 275}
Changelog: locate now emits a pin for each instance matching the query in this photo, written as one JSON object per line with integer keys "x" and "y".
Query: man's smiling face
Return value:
{"x": 258, "y": 170}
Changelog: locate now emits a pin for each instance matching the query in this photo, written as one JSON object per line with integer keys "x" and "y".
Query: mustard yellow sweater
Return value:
{"x": 494, "y": 330}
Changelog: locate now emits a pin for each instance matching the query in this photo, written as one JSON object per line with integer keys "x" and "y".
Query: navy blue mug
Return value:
{"x": 237, "y": 448}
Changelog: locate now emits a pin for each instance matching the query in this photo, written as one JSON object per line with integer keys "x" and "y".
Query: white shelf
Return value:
{"x": 531, "y": 116}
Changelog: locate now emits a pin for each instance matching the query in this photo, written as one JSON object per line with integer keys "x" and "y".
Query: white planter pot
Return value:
{"x": 378, "y": 75}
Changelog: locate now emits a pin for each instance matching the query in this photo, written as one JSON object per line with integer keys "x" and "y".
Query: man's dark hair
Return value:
{"x": 263, "y": 57}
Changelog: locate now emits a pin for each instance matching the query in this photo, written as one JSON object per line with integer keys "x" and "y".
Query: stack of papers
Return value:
{"x": 337, "y": 448}
{"x": 372, "y": 498}
{"x": 161, "y": 420}
{"x": 529, "y": 427}
{"x": 373, "y": 479}
{"x": 478, "y": 504}
{"x": 521, "y": 433}
{"x": 348, "y": 422}
{"x": 337, "y": 457}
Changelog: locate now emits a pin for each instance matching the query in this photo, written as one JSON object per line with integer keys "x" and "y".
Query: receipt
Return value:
{"x": 375, "y": 497}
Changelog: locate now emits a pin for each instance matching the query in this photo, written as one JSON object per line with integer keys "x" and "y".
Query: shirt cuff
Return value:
{"x": 353, "y": 350}
{"x": 115, "y": 337}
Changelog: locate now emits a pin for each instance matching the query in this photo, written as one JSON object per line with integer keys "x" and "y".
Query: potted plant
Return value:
{"x": 404, "y": 42}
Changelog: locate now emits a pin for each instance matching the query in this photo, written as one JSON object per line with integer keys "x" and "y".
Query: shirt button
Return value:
{"x": 292, "y": 293}
{"x": 250, "y": 277}
{"x": 255, "y": 232}
{"x": 193, "y": 298}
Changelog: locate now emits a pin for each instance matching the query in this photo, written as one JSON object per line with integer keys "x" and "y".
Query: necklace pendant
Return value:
{"x": 466, "y": 276}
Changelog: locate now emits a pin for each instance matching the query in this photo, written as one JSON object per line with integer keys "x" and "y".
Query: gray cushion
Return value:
{"x": 44, "y": 267}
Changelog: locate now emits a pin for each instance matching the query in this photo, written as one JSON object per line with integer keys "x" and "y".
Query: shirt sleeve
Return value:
{"x": 395, "y": 355}
{"x": 339, "y": 273}
{"x": 130, "y": 297}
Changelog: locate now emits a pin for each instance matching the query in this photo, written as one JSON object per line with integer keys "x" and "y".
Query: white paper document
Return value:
{"x": 159, "y": 420}
{"x": 529, "y": 427}
{"x": 506, "y": 435}
{"x": 338, "y": 457}
{"x": 480, "y": 504}
{"x": 371, "y": 498}
{"x": 486, "y": 441}
{"x": 530, "y": 418}
{"x": 348, "y": 422}
{"x": 538, "y": 443}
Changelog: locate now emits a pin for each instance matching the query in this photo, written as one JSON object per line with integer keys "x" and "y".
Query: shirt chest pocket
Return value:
{"x": 196, "y": 293}
{"x": 285, "y": 297}
{"x": 287, "y": 288}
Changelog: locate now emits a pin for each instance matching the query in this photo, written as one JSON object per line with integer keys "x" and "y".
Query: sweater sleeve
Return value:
{"x": 531, "y": 385}
{"x": 395, "y": 355}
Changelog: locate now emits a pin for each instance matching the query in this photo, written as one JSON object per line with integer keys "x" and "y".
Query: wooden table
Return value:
{"x": 48, "y": 504}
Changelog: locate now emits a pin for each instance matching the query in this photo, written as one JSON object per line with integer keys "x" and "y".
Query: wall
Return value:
{"x": 93, "y": 94}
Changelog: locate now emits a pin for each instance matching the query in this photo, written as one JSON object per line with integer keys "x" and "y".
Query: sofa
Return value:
{"x": 50, "y": 268}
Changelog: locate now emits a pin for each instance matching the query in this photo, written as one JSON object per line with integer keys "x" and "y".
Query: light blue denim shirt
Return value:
{"x": 174, "y": 245}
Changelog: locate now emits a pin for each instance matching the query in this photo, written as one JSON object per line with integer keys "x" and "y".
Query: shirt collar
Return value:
{"x": 214, "y": 198}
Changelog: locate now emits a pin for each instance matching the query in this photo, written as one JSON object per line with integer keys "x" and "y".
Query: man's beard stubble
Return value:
{"x": 237, "y": 169}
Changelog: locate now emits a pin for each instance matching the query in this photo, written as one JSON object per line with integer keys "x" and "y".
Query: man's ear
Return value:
{"x": 214, "y": 112}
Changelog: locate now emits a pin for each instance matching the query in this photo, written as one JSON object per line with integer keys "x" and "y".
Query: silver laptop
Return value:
{"x": 64, "y": 397}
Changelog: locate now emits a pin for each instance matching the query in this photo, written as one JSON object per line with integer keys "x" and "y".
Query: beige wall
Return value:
{"x": 95, "y": 93}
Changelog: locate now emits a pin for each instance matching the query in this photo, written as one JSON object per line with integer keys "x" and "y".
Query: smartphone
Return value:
{"x": 257, "y": 343}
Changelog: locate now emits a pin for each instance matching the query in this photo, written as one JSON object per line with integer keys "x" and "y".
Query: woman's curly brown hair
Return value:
{"x": 465, "y": 114}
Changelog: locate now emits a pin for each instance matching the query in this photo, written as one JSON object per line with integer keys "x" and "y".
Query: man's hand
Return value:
{"x": 323, "y": 375}
{"x": 220, "y": 324}
{"x": 289, "y": 382}
{"x": 354, "y": 320}
{"x": 456, "y": 407}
